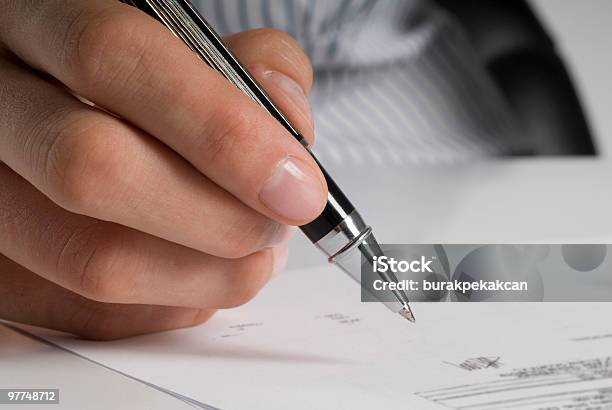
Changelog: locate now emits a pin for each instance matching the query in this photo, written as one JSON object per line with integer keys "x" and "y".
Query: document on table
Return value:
{"x": 28, "y": 364}
{"x": 308, "y": 342}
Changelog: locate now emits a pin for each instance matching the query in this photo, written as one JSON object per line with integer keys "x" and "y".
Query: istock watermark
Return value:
{"x": 383, "y": 264}
{"x": 491, "y": 273}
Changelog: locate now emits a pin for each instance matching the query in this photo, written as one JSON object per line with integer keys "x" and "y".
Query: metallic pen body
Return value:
{"x": 339, "y": 231}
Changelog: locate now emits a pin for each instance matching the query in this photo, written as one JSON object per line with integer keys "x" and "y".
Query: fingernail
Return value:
{"x": 280, "y": 254}
{"x": 293, "y": 191}
{"x": 282, "y": 235}
{"x": 292, "y": 91}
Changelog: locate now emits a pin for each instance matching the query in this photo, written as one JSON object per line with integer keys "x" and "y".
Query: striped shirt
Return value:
{"x": 395, "y": 81}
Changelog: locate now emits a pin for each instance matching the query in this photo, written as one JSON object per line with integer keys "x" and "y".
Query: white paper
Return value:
{"x": 308, "y": 342}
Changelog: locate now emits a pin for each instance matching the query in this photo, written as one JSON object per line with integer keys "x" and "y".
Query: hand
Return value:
{"x": 169, "y": 198}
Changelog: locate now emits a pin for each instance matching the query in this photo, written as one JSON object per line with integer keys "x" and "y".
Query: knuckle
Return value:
{"x": 86, "y": 40}
{"x": 283, "y": 43}
{"x": 102, "y": 46}
{"x": 248, "y": 278}
{"x": 273, "y": 34}
{"x": 90, "y": 260}
{"x": 82, "y": 166}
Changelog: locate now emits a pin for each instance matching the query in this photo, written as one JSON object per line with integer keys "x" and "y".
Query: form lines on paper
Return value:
{"x": 578, "y": 385}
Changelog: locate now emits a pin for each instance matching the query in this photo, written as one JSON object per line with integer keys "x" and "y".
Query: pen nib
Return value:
{"x": 406, "y": 312}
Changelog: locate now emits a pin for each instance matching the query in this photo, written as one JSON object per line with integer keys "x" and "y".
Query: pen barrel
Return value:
{"x": 186, "y": 23}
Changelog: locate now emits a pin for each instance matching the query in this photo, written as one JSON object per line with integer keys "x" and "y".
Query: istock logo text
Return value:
{"x": 385, "y": 264}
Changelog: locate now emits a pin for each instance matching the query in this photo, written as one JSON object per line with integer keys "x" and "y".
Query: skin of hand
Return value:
{"x": 167, "y": 197}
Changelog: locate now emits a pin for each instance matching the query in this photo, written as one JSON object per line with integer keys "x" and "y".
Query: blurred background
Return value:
{"x": 543, "y": 177}
{"x": 445, "y": 81}
{"x": 583, "y": 35}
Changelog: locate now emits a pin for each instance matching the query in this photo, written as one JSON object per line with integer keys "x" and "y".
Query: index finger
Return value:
{"x": 128, "y": 63}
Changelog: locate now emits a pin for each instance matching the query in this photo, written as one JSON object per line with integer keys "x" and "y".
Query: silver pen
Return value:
{"x": 339, "y": 231}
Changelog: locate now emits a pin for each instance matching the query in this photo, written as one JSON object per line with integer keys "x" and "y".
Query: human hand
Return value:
{"x": 169, "y": 198}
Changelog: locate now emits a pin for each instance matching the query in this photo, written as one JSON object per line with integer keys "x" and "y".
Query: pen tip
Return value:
{"x": 406, "y": 312}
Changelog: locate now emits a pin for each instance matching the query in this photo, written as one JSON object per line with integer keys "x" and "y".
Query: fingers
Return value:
{"x": 30, "y": 299}
{"x": 276, "y": 50}
{"x": 94, "y": 164}
{"x": 111, "y": 263}
{"x": 280, "y": 65}
{"x": 128, "y": 63}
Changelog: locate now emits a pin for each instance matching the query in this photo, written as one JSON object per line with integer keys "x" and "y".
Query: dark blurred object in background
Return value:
{"x": 522, "y": 59}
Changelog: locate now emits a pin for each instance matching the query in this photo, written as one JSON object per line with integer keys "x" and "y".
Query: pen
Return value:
{"x": 339, "y": 230}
